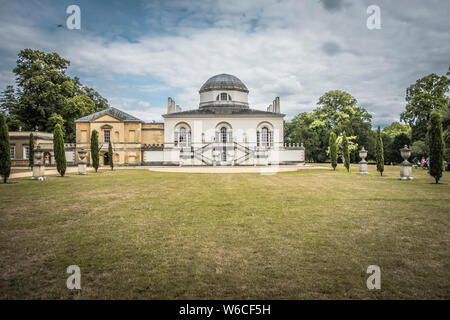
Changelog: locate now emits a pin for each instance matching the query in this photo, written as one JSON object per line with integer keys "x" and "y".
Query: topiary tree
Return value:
{"x": 333, "y": 150}
{"x": 379, "y": 152}
{"x": 58, "y": 148}
{"x": 436, "y": 142}
{"x": 94, "y": 149}
{"x": 110, "y": 155}
{"x": 5, "y": 150}
{"x": 346, "y": 152}
{"x": 31, "y": 152}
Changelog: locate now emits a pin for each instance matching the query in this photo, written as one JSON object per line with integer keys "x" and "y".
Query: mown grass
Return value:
{"x": 138, "y": 234}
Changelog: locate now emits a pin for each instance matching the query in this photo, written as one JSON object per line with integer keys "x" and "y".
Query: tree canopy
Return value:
{"x": 422, "y": 97}
{"x": 46, "y": 95}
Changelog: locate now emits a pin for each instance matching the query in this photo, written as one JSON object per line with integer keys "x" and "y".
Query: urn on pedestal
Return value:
{"x": 363, "y": 169}
{"x": 38, "y": 165}
{"x": 82, "y": 162}
{"x": 405, "y": 166}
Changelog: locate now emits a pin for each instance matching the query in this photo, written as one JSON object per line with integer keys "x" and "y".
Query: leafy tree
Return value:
{"x": 110, "y": 155}
{"x": 31, "y": 148}
{"x": 58, "y": 148}
{"x": 346, "y": 151}
{"x": 419, "y": 149}
{"x": 94, "y": 149}
{"x": 396, "y": 128}
{"x": 336, "y": 111}
{"x": 427, "y": 94}
{"x": 333, "y": 150}
{"x": 5, "y": 150}
{"x": 379, "y": 152}
{"x": 399, "y": 142}
{"x": 436, "y": 142}
{"x": 46, "y": 95}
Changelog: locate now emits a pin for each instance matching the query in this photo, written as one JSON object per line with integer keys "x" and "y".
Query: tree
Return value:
{"x": 5, "y": 150}
{"x": 379, "y": 153}
{"x": 31, "y": 148}
{"x": 446, "y": 128}
{"x": 337, "y": 111}
{"x": 436, "y": 142}
{"x": 419, "y": 149}
{"x": 94, "y": 149}
{"x": 427, "y": 94}
{"x": 396, "y": 128}
{"x": 110, "y": 155}
{"x": 333, "y": 150}
{"x": 345, "y": 151}
{"x": 46, "y": 95}
{"x": 399, "y": 142}
{"x": 58, "y": 148}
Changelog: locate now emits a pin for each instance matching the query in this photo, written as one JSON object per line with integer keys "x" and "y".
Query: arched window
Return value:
{"x": 182, "y": 136}
{"x": 265, "y": 136}
{"x": 223, "y": 134}
{"x": 223, "y": 96}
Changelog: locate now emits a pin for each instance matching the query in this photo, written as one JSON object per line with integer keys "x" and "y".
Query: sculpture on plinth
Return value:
{"x": 363, "y": 168}
{"x": 405, "y": 166}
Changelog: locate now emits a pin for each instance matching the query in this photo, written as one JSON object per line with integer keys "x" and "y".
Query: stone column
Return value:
{"x": 363, "y": 168}
{"x": 38, "y": 165}
{"x": 405, "y": 166}
{"x": 82, "y": 163}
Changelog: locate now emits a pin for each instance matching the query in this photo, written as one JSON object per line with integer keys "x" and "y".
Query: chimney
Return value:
{"x": 169, "y": 105}
{"x": 177, "y": 108}
{"x": 269, "y": 108}
{"x": 277, "y": 103}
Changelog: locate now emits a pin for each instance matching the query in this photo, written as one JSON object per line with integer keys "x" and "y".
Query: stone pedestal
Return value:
{"x": 406, "y": 170}
{"x": 405, "y": 166}
{"x": 82, "y": 164}
{"x": 82, "y": 168}
{"x": 38, "y": 172}
{"x": 38, "y": 165}
{"x": 363, "y": 168}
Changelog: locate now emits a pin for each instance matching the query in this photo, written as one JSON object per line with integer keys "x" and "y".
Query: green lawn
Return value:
{"x": 295, "y": 235}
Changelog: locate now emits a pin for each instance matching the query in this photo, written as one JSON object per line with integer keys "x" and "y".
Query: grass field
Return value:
{"x": 294, "y": 235}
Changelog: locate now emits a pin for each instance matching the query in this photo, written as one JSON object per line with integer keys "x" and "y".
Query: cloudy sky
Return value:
{"x": 138, "y": 53}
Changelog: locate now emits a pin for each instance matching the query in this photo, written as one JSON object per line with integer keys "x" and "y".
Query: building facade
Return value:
{"x": 222, "y": 131}
{"x": 129, "y": 136}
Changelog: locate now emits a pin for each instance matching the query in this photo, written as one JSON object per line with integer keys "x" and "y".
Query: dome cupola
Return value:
{"x": 224, "y": 90}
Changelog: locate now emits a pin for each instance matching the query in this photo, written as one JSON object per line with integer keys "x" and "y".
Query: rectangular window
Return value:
{"x": 106, "y": 135}
{"x": 26, "y": 153}
{"x": 12, "y": 152}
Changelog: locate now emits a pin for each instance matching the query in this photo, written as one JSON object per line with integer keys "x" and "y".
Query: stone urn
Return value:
{"x": 363, "y": 168}
{"x": 38, "y": 164}
{"x": 405, "y": 166}
{"x": 82, "y": 163}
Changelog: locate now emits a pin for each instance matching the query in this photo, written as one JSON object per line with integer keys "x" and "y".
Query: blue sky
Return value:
{"x": 138, "y": 53}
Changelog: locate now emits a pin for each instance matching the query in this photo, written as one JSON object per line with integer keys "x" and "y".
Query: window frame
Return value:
{"x": 106, "y": 140}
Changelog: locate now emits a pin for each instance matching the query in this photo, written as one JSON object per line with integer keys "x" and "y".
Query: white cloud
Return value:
{"x": 295, "y": 50}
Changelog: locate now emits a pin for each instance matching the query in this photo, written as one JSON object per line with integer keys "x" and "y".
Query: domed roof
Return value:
{"x": 223, "y": 82}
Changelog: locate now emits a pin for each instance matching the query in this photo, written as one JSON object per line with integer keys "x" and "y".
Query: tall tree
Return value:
{"x": 31, "y": 152}
{"x": 379, "y": 152}
{"x": 427, "y": 94}
{"x": 346, "y": 151}
{"x": 46, "y": 95}
{"x": 58, "y": 148}
{"x": 110, "y": 155}
{"x": 94, "y": 149}
{"x": 436, "y": 142}
{"x": 5, "y": 150}
{"x": 333, "y": 150}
